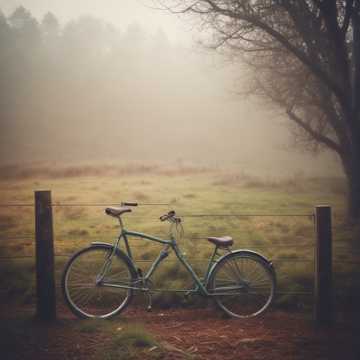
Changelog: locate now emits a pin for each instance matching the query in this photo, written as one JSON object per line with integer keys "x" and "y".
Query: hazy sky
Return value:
{"x": 119, "y": 12}
{"x": 212, "y": 124}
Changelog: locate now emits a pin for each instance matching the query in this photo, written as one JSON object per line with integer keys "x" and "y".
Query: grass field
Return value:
{"x": 287, "y": 240}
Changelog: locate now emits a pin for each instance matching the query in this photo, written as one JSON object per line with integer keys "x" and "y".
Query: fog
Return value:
{"x": 126, "y": 83}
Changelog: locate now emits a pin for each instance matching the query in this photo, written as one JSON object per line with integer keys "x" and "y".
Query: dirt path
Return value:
{"x": 276, "y": 335}
{"x": 202, "y": 333}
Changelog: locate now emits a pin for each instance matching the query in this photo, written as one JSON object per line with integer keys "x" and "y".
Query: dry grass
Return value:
{"x": 295, "y": 183}
{"x": 140, "y": 196}
{"x": 6, "y": 222}
{"x": 51, "y": 171}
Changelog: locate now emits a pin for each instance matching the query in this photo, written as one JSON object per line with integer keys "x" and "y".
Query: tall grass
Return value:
{"x": 188, "y": 190}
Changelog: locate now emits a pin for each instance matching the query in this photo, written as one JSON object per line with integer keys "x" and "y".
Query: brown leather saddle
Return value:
{"x": 117, "y": 211}
{"x": 223, "y": 241}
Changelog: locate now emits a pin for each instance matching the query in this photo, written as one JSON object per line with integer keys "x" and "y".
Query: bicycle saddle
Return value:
{"x": 221, "y": 241}
{"x": 116, "y": 211}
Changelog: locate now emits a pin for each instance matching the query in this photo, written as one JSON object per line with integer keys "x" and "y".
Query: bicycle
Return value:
{"x": 99, "y": 281}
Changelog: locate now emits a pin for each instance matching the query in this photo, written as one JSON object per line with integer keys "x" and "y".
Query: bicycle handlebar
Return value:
{"x": 129, "y": 203}
{"x": 170, "y": 215}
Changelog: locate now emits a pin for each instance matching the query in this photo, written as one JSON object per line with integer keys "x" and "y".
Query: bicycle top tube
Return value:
{"x": 146, "y": 237}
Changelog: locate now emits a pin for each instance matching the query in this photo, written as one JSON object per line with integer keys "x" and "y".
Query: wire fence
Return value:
{"x": 278, "y": 260}
{"x": 31, "y": 236}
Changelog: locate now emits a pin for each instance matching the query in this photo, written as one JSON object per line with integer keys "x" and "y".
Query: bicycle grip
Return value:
{"x": 127, "y": 203}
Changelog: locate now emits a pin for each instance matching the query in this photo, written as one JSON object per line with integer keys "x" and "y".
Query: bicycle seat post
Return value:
{"x": 121, "y": 223}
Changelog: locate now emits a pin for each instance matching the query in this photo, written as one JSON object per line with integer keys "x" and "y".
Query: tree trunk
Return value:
{"x": 354, "y": 193}
{"x": 354, "y": 196}
{"x": 352, "y": 171}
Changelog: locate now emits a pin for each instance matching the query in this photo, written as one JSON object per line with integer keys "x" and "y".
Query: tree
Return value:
{"x": 5, "y": 35}
{"x": 306, "y": 54}
{"x": 50, "y": 26}
{"x": 25, "y": 27}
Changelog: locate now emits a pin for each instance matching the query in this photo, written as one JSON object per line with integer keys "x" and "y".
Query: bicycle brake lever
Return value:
{"x": 170, "y": 214}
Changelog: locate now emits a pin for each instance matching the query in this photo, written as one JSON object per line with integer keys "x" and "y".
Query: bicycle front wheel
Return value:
{"x": 243, "y": 285}
{"x": 84, "y": 282}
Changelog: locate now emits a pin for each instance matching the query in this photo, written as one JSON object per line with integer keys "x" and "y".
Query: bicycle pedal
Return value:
{"x": 187, "y": 295}
{"x": 149, "y": 307}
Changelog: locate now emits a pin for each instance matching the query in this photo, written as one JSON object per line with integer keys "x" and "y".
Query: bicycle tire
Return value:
{"x": 85, "y": 298}
{"x": 242, "y": 284}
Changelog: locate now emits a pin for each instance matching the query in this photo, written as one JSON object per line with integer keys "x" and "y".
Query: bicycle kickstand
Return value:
{"x": 149, "y": 307}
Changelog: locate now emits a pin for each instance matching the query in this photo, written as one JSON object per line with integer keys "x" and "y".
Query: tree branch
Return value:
{"x": 313, "y": 67}
{"x": 313, "y": 133}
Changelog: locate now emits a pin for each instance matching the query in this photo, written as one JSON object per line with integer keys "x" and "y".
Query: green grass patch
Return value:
{"x": 25, "y": 337}
{"x": 133, "y": 342}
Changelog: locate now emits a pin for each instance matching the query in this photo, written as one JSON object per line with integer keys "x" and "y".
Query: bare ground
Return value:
{"x": 189, "y": 333}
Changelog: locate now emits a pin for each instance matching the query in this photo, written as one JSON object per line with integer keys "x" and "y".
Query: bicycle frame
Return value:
{"x": 201, "y": 286}
{"x": 94, "y": 275}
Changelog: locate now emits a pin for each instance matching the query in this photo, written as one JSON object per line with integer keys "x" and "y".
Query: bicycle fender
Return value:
{"x": 244, "y": 252}
{"x": 255, "y": 253}
{"x": 95, "y": 243}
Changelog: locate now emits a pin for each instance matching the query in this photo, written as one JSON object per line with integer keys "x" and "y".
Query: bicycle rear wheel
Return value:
{"x": 85, "y": 295}
{"x": 243, "y": 285}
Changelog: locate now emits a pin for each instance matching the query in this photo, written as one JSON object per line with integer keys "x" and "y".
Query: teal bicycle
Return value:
{"x": 100, "y": 280}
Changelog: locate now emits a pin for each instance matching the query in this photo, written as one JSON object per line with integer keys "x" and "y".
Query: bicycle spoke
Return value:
{"x": 84, "y": 295}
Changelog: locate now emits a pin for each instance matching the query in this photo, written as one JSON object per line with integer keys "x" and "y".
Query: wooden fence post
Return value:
{"x": 45, "y": 277}
{"x": 323, "y": 267}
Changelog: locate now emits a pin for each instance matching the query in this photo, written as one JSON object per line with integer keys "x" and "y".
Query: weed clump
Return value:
{"x": 133, "y": 342}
